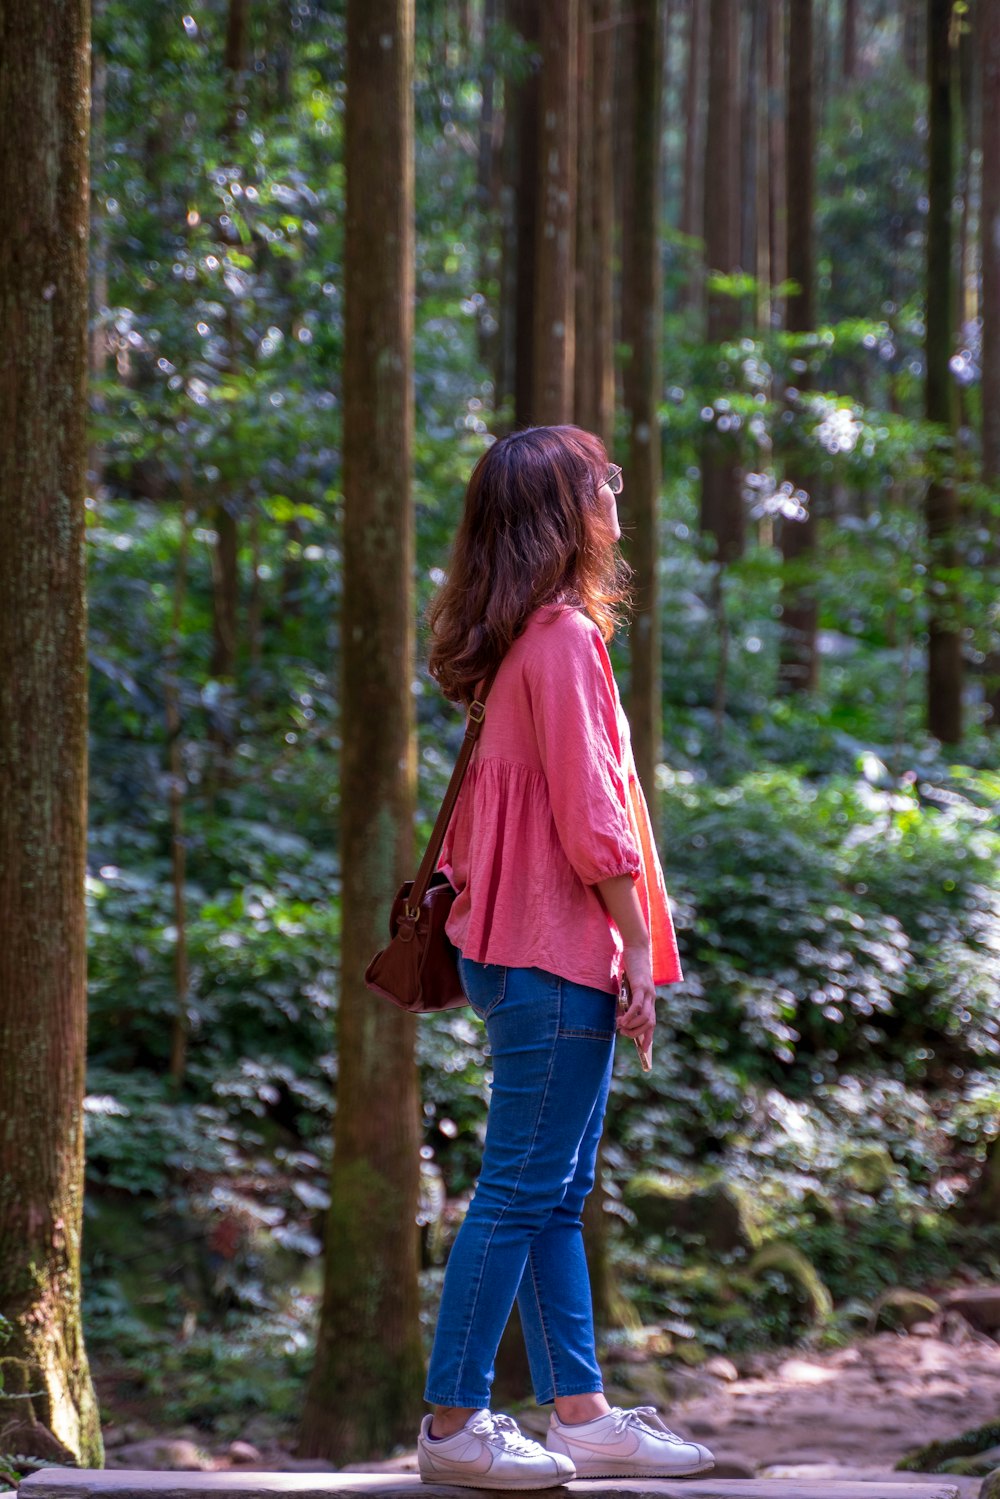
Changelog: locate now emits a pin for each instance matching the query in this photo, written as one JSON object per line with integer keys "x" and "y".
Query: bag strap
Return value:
{"x": 428, "y": 864}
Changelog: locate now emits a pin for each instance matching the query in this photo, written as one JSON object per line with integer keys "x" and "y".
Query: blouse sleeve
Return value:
{"x": 576, "y": 723}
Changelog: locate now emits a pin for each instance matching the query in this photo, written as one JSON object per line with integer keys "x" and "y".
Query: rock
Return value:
{"x": 923, "y": 1330}
{"x": 979, "y": 1305}
{"x": 798, "y": 1371}
{"x": 114, "y": 1436}
{"x": 173, "y": 1454}
{"x": 701, "y": 1428}
{"x": 243, "y": 1452}
{"x": 732, "y": 1467}
{"x": 869, "y": 1169}
{"x": 717, "y": 1213}
{"x": 722, "y": 1368}
{"x": 792, "y": 1263}
{"x": 991, "y": 1485}
{"x": 900, "y": 1307}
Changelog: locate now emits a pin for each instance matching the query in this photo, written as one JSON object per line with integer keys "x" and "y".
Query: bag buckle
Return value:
{"x": 477, "y": 711}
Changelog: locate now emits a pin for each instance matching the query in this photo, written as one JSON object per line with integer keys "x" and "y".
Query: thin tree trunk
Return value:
{"x": 605, "y": 24}
{"x": 47, "y": 1404}
{"x": 99, "y": 249}
{"x": 365, "y": 1391}
{"x": 849, "y": 41}
{"x": 989, "y": 229}
{"x": 722, "y": 513}
{"x": 693, "y": 205}
{"x": 749, "y": 164}
{"x": 178, "y": 791}
{"x": 798, "y": 668}
{"x": 777, "y": 196}
{"x": 526, "y": 213}
{"x": 944, "y": 663}
{"x": 485, "y": 175}
{"x": 642, "y": 281}
{"x": 555, "y": 230}
{"x": 584, "y": 371}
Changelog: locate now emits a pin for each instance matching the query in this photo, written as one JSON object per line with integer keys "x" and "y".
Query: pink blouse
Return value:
{"x": 551, "y": 804}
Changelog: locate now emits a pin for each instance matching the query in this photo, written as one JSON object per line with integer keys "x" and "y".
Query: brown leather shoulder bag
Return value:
{"x": 418, "y": 971}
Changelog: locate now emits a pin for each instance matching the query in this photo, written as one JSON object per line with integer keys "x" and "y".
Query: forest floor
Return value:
{"x": 848, "y": 1412}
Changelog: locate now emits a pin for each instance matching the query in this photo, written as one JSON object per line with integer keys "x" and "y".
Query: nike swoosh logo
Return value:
{"x": 611, "y": 1453}
{"x": 481, "y": 1462}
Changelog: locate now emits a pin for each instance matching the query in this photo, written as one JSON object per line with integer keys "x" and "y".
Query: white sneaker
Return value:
{"x": 627, "y": 1444}
{"x": 489, "y": 1452}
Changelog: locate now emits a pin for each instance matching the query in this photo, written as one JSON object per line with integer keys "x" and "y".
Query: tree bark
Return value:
{"x": 365, "y": 1391}
{"x": 777, "y": 196}
{"x": 47, "y": 1404}
{"x": 722, "y": 513}
{"x": 584, "y": 373}
{"x": 524, "y": 192}
{"x": 177, "y": 795}
{"x": 944, "y": 645}
{"x": 849, "y": 41}
{"x": 642, "y": 309}
{"x": 555, "y": 229}
{"x": 605, "y": 24}
{"x": 798, "y": 667}
{"x": 692, "y": 203}
{"x": 989, "y": 23}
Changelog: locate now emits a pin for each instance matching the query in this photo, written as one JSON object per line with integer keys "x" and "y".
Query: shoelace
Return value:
{"x": 504, "y": 1432}
{"x": 645, "y": 1416}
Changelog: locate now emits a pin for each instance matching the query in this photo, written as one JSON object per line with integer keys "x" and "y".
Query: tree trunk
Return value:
{"x": 777, "y": 196}
{"x": 692, "y": 201}
{"x": 749, "y": 162}
{"x": 944, "y": 648}
{"x": 584, "y": 372}
{"x": 798, "y": 667}
{"x": 642, "y": 310}
{"x": 989, "y": 23}
{"x": 722, "y": 512}
{"x": 849, "y": 41}
{"x": 605, "y": 24}
{"x": 47, "y": 1404}
{"x": 365, "y": 1391}
{"x": 485, "y": 186}
{"x": 524, "y": 188}
{"x": 555, "y": 229}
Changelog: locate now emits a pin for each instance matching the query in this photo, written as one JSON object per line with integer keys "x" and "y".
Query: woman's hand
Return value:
{"x": 639, "y": 1020}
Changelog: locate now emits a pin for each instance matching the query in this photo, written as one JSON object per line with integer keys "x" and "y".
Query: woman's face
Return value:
{"x": 609, "y": 502}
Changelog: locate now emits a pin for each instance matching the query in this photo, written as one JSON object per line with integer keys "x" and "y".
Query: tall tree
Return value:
{"x": 519, "y": 199}
{"x": 721, "y": 501}
{"x": 693, "y": 186}
{"x": 642, "y": 314}
{"x": 555, "y": 229}
{"x": 849, "y": 40}
{"x": 365, "y": 1391}
{"x": 989, "y": 51}
{"x": 594, "y": 378}
{"x": 944, "y": 645}
{"x": 799, "y": 661}
{"x": 47, "y": 1404}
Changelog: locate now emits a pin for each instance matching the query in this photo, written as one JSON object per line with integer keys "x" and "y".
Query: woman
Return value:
{"x": 560, "y": 895}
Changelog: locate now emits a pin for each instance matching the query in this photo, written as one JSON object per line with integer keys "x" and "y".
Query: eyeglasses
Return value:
{"x": 614, "y": 479}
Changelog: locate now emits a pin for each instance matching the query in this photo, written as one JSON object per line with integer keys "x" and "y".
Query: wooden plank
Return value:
{"x": 121, "y": 1483}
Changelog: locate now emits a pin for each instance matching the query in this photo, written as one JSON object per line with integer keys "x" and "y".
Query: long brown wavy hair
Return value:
{"x": 532, "y": 531}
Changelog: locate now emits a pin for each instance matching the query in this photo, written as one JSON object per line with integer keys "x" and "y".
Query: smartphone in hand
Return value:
{"x": 624, "y": 1000}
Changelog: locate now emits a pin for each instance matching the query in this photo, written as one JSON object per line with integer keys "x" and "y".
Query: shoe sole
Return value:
{"x": 624, "y": 1471}
{"x": 480, "y": 1481}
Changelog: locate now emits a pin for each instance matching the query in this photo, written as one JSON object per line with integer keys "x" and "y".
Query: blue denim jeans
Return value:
{"x": 552, "y": 1045}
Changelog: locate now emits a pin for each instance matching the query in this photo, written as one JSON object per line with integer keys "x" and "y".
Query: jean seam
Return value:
{"x": 545, "y": 1332}
{"x": 486, "y": 1249}
{"x": 588, "y": 1035}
